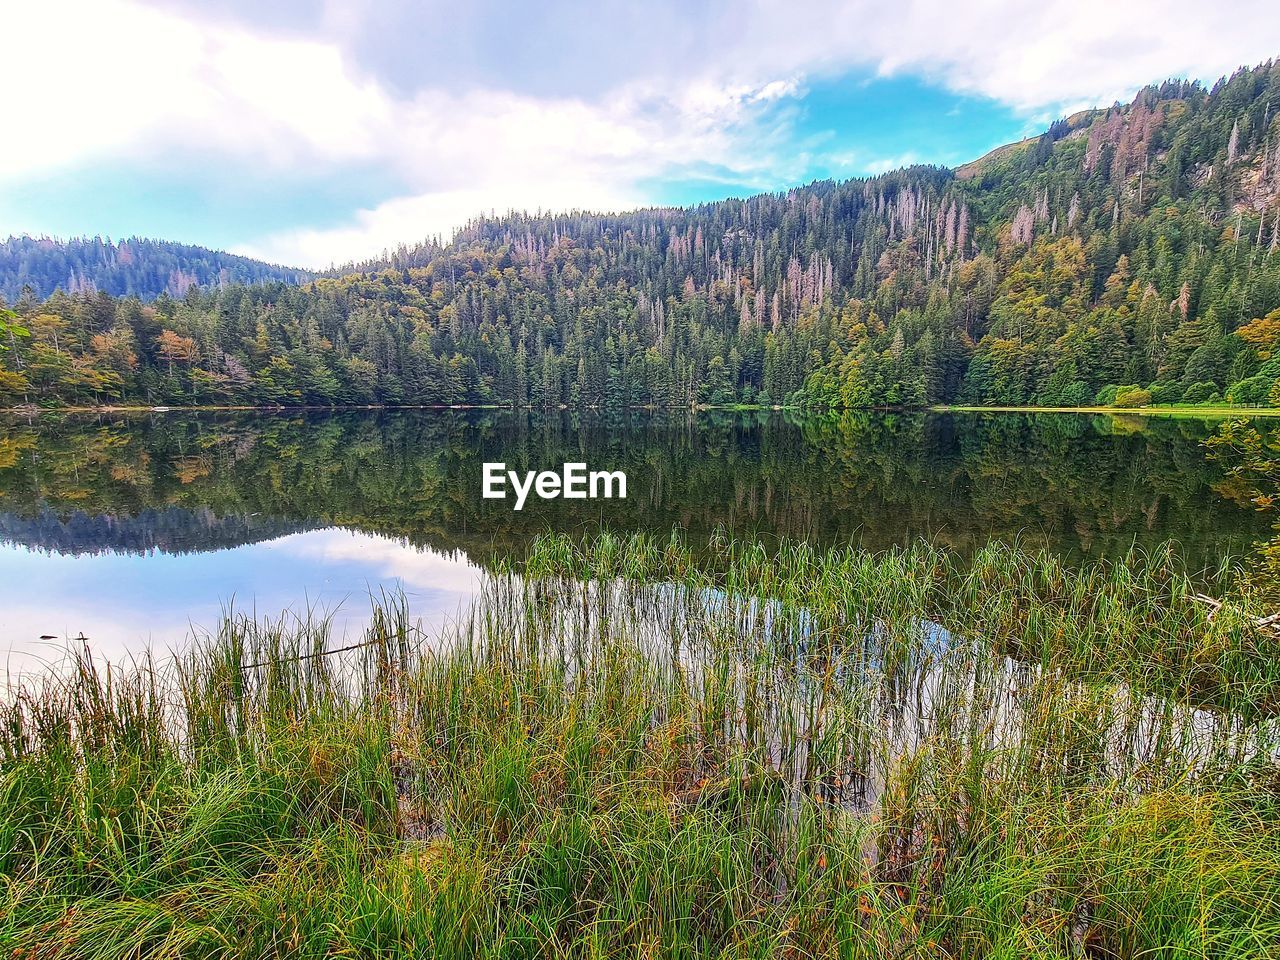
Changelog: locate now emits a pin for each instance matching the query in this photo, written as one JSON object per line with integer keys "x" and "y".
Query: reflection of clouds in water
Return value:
{"x": 423, "y": 569}
{"x": 117, "y": 633}
{"x": 65, "y": 608}
{"x": 127, "y": 603}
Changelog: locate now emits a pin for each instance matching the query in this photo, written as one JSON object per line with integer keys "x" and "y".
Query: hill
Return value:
{"x": 1126, "y": 255}
{"x": 128, "y": 268}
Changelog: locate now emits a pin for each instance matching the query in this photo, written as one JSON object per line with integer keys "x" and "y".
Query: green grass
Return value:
{"x": 625, "y": 751}
{"x": 1168, "y": 410}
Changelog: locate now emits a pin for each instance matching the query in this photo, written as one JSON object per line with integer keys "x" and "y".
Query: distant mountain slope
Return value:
{"x": 134, "y": 267}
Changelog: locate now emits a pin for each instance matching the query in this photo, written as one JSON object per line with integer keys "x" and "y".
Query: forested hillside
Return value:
{"x": 127, "y": 268}
{"x": 1129, "y": 255}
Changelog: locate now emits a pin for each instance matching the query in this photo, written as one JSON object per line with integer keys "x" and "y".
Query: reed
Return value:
{"x": 628, "y": 749}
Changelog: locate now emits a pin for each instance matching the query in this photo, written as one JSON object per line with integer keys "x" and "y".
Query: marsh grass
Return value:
{"x": 625, "y": 750}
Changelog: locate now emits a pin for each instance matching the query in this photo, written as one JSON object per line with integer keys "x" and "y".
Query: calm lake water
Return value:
{"x": 135, "y": 530}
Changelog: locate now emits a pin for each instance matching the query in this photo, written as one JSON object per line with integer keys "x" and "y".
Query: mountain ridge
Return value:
{"x": 45, "y": 275}
{"x": 133, "y": 266}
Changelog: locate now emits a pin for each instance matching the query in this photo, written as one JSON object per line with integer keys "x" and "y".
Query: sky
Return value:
{"x": 315, "y": 132}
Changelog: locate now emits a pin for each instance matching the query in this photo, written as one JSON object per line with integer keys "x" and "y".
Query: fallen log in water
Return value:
{"x": 1269, "y": 622}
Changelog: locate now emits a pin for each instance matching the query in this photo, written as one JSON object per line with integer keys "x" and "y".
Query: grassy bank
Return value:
{"x": 1215, "y": 412}
{"x": 624, "y": 752}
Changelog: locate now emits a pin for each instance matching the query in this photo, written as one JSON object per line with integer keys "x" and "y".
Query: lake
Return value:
{"x": 134, "y": 530}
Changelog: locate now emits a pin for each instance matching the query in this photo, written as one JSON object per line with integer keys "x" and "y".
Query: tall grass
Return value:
{"x": 627, "y": 751}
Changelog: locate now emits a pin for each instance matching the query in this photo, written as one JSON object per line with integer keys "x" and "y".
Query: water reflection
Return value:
{"x": 126, "y": 601}
{"x": 130, "y": 529}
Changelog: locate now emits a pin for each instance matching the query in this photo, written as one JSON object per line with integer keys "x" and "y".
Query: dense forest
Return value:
{"x": 1127, "y": 256}
{"x": 135, "y": 267}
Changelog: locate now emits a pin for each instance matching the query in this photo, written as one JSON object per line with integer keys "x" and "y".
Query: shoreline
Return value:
{"x": 1150, "y": 411}
{"x": 1217, "y": 412}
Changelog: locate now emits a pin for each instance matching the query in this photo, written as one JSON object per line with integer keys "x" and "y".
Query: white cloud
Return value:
{"x": 491, "y": 150}
{"x": 414, "y": 218}
{"x": 776, "y": 90}
{"x": 110, "y": 80}
{"x": 885, "y": 164}
{"x": 1033, "y": 56}
{"x": 165, "y": 86}
{"x": 113, "y": 79}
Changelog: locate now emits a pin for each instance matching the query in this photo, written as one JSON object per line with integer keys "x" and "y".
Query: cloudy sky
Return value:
{"x": 310, "y": 132}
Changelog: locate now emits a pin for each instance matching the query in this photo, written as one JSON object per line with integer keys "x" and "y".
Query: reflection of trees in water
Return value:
{"x": 172, "y": 530}
{"x": 1085, "y": 486}
{"x": 1251, "y": 458}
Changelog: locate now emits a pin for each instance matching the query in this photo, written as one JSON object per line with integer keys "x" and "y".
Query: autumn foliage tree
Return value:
{"x": 175, "y": 348}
